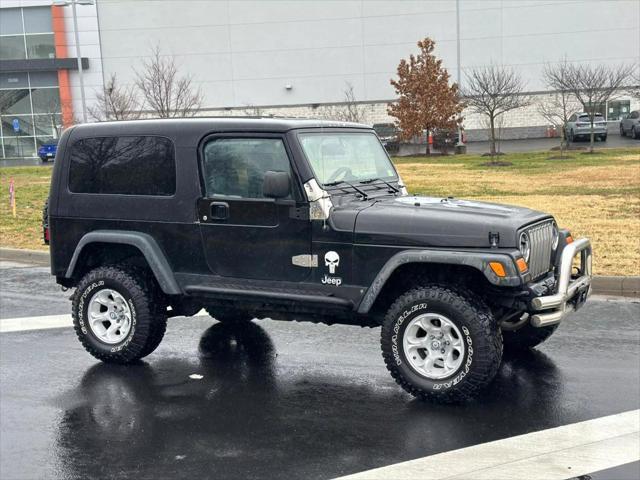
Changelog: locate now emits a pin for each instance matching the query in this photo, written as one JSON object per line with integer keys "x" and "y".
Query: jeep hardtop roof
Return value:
{"x": 217, "y": 124}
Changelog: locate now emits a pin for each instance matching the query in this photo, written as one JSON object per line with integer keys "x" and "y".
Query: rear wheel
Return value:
{"x": 635, "y": 133}
{"x": 622, "y": 134}
{"x": 441, "y": 343}
{"x": 572, "y": 138}
{"x": 115, "y": 315}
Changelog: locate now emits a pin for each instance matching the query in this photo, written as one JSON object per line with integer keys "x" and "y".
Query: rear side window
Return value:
{"x": 136, "y": 165}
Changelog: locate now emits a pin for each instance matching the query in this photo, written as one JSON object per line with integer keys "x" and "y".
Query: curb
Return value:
{"x": 610, "y": 286}
{"x": 37, "y": 257}
{"x": 617, "y": 286}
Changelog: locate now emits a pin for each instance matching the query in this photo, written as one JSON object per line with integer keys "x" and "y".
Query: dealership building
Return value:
{"x": 291, "y": 58}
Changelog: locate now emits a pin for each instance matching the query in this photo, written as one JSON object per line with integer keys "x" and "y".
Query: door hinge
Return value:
{"x": 299, "y": 213}
{"x": 307, "y": 261}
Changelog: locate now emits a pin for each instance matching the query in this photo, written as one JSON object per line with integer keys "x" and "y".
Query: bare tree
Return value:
{"x": 557, "y": 109}
{"x": 594, "y": 85}
{"x": 493, "y": 91}
{"x": 348, "y": 111}
{"x": 634, "y": 88}
{"x": 166, "y": 93}
{"x": 116, "y": 102}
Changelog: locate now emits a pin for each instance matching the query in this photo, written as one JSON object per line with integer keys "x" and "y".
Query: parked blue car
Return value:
{"x": 47, "y": 151}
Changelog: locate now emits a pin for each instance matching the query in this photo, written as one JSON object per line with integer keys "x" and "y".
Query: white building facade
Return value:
{"x": 293, "y": 57}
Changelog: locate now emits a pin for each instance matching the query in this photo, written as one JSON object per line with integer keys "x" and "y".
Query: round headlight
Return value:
{"x": 525, "y": 246}
{"x": 555, "y": 236}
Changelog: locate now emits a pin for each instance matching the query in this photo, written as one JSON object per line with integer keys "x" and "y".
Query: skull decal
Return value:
{"x": 332, "y": 260}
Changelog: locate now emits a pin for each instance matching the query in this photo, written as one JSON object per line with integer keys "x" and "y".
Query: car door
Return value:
{"x": 245, "y": 235}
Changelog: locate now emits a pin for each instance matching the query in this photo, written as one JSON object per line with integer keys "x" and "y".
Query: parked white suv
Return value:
{"x": 579, "y": 126}
{"x": 631, "y": 125}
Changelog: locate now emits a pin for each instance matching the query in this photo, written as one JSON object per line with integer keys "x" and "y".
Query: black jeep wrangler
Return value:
{"x": 304, "y": 220}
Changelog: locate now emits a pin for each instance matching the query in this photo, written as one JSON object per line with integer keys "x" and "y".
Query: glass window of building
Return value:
{"x": 11, "y": 21}
{"x": 26, "y": 33}
{"x": 41, "y": 46}
{"x": 34, "y": 110}
{"x": 37, "y": 19}
{"x": 29, "y": 102}
{"x": 12, "y": 47}
{"x": 618, "y": 109}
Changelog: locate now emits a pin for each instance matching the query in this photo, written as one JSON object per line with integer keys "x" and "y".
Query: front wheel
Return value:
{"x": 441, "y": 343}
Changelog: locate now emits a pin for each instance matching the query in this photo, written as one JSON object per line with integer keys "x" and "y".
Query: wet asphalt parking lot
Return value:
{"x": 277, "y": 399}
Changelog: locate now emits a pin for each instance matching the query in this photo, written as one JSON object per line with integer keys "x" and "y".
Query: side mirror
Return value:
{"x": 276, "y": 184}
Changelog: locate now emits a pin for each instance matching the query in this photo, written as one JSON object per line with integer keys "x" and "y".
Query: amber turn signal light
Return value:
{"x": 498, "y": 269}
{"x": 522, "y": 265}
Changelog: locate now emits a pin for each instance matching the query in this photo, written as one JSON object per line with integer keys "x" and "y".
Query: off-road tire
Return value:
{"x": 471, "y": 315}
{"x": 149, "y": 323}
{"x": 526, "y": 337}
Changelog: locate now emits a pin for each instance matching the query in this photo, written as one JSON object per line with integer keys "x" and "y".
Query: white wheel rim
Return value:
{"x": 433, "y": 345}
{"x": 109, "y": 316}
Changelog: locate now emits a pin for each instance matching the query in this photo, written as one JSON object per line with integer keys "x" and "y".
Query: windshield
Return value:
{"x": 349, "y": 157}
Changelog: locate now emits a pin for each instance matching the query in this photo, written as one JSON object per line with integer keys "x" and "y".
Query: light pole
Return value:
{"x": 460, "y": 148}
{"x": 73, "y": 3}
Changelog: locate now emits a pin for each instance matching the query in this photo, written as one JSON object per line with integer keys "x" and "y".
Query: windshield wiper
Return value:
{"x": 340, "y": 182}
{"x": 371, "y": 180}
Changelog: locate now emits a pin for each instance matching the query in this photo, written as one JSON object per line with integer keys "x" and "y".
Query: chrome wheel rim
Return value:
{"x": 109, "y": 316}
{"x": 433, "y": 345}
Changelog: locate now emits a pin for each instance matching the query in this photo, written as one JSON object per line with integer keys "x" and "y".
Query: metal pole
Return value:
{"x": 75, "y": 28}
{"x": 460, "y": 142}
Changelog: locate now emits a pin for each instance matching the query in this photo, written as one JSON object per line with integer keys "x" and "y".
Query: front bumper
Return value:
{"x": 572, "y": 290}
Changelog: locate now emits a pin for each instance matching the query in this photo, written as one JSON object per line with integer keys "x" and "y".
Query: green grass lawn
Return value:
{"x": 594, "y": 195}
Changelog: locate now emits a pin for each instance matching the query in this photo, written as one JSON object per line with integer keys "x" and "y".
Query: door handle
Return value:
{"x": 219, "y": 210}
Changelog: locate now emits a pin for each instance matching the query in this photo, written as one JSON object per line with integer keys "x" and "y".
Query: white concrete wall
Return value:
{"x": 245, "y": 52}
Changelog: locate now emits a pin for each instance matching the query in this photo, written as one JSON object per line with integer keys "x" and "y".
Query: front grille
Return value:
{"x": 541, "y": 237}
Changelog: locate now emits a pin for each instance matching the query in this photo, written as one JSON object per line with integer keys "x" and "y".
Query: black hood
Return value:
{"x": 438, "y": 222}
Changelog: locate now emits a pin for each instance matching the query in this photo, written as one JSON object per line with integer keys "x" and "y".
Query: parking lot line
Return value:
{"x": 41, "y": 323}
{"x": 34, "y": 323}
{"x": 556, "y": 453}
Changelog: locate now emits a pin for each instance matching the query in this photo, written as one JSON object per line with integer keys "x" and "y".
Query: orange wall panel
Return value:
{"x": 60, "y": 41}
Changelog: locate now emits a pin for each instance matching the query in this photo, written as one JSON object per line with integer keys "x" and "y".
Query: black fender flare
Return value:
{"x": 143, "y": 242}
{"x": 478, "y": 260}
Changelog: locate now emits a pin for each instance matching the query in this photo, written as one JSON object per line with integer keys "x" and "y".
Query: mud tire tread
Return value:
{"x": 487, "y": 358}
{"x": 149, "y": 328}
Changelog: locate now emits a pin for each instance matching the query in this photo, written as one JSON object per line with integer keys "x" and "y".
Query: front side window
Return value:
{"x": 350, "y": 157}
{"x": 136, "y": 165}
{"x": 235, "y": 167}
